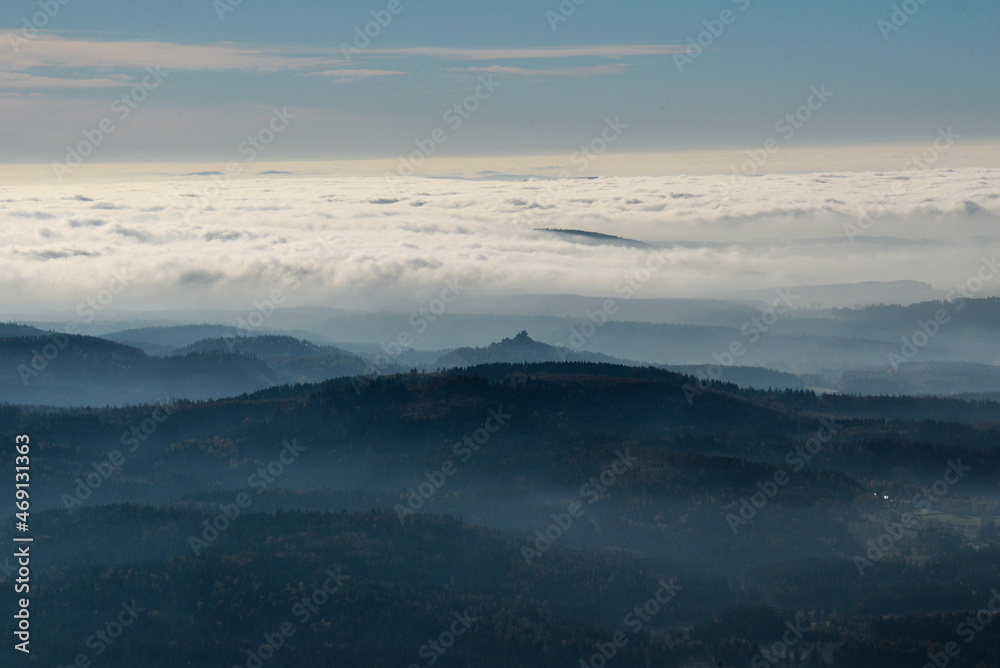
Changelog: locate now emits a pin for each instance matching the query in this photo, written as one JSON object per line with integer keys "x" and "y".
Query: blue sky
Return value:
{"x": 557, "y": 87}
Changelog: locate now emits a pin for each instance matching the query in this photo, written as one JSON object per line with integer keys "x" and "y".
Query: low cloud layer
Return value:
{"x": 372, "y": 243}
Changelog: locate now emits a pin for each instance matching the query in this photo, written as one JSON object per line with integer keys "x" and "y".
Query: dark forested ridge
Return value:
{"x": 555, "y": 504}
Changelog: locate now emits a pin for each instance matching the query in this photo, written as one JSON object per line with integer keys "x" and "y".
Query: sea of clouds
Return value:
{"x": 376, "y": 243}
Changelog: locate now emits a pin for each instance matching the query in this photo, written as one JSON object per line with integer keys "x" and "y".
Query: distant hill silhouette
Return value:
{"x": 264, "y": 347}
{"x": 923, "y": 378}
{"x": 68, "y": 370}
{"x": 166, "y": 340}
{"x": 291, "y": 359}
{"x": 585, "y": 236}
{"x": 522, "y": 348}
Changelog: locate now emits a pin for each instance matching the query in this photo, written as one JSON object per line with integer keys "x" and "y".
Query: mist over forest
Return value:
{"x": 521, "y": 334}
{"x": 701, "y": 500}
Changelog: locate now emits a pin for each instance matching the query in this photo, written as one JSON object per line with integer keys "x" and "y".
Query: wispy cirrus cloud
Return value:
{"x": 54, "y": 52}
{"x": 355, "y": 75}
{"x": 22, "y": 80}
{"x": 51, "y": 51}
{"x": 584, "y": 71}
{"x": 584, "y": 51}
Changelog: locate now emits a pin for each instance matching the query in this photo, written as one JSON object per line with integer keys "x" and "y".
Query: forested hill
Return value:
{"x": 516, "y": 492}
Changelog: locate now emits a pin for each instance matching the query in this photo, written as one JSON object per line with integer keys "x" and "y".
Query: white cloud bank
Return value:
{"x": 359, "y": 242}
